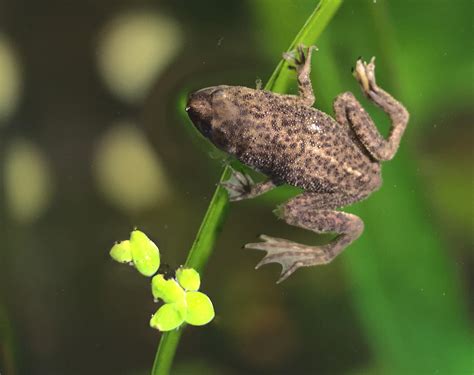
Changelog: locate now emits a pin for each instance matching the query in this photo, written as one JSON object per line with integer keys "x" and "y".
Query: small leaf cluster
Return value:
{"x": 183, "y": 303}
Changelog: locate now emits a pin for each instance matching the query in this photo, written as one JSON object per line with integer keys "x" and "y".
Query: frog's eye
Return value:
{"x": 206, "y": 129}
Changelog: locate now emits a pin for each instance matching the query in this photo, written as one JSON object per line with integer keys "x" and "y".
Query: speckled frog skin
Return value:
{"x": 335, "y": 160}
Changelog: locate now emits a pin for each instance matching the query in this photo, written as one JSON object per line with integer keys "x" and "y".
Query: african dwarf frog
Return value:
{"x": 336, "y": 161}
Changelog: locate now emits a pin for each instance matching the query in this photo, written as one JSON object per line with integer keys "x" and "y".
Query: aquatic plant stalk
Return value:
{"x": 209, "y": 229}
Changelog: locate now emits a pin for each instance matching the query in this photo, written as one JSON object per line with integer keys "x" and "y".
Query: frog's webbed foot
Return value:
{"x": 240, "y": 186}
{"x": 313, "y": 211}
{"x": 300, "y": 60}
{"x": 365, "y": 74}
{"x": 290, "y": 255}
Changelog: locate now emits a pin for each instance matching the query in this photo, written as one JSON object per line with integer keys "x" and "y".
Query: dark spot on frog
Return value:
{"x": 274, "y": 125}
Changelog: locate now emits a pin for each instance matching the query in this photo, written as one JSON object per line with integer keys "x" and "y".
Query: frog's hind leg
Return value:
{"x": 315, "y": 212}
{"x": 349, "y": 111}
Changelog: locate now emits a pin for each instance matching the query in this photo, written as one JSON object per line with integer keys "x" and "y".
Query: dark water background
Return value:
{"x": 94, "y": 141}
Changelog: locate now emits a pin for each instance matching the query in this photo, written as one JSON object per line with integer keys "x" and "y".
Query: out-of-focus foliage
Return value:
{"x": 134, "y": 49}
{"x": 10, "y": 79}
{"x": 129, "y": 174}
{"x": 27, "y": 181}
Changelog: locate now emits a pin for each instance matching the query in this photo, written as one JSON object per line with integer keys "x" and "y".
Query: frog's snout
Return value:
{"x": 199, "y": 109}
{"x": 199, "y": 100}
{"x": 206, "y": 96}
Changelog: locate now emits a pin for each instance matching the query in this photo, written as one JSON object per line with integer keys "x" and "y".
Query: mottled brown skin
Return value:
{"x": 336, "y": 161}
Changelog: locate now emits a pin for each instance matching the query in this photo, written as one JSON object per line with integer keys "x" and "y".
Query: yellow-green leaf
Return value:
{"x": 168, "y": 317}
{"x": 167, "y": 290}
{"x": 200, "y": 309}
{"x": 121, "y": 252}
{"x": 145, "y": 253}
{"x": 188, "y": 278}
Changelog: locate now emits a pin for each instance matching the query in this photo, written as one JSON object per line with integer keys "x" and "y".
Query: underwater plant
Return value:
{"x": 182, "y": 302}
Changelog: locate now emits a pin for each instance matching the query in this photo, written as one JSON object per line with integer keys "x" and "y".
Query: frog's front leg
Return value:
{"x": 349, "y": 112}
{"x": 240, "y": 186}
{"x": 300, "y": 60}
{"x": 315, "y": 212}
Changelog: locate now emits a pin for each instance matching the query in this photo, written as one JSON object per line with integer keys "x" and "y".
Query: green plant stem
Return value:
{"x": 210, "y": 226}
{"x": 166, "y": 351}
{"x": 197, "y": 259}
{"x": 309, "y": 33}
{"x": 213, "y": 220}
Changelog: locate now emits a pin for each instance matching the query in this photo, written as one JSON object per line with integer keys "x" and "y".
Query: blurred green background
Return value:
{"x": 94, "y": 141}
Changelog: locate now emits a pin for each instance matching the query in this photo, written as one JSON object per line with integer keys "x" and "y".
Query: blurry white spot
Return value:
{"x": 134, "y": 49}
{"x": 27, "y": 181}
{"x": 128, "y": 171}
{"x": 9, "y": 79}
{"x": 349, "y": 169}
{"x": 314, "y": 127}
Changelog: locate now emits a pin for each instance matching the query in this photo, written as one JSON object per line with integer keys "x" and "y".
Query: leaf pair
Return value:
{"x": 139, "y": 251}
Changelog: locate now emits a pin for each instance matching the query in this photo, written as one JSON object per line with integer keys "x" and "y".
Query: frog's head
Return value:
{"x": 213, "y": 111}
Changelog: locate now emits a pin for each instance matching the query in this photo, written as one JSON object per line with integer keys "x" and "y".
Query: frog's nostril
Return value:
{"x": 191, "y": 111}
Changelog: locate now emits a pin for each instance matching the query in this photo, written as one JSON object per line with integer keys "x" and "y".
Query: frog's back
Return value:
{"x": 301, "y": 145}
